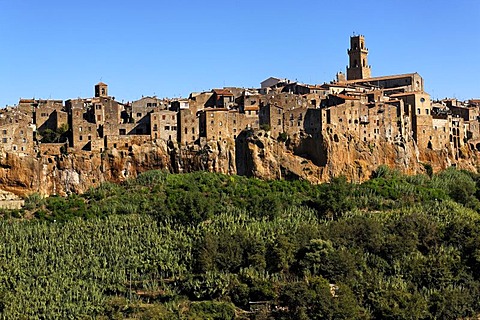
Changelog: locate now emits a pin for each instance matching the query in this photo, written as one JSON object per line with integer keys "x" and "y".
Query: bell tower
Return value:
{"x": 101, "y": 90}
{"x": 358, "y": 67}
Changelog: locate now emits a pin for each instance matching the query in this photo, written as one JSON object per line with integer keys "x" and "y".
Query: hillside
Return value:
{"x": 204, "y": 245}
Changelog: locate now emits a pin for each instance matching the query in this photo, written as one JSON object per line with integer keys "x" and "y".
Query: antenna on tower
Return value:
{"x": 353, "y": 33}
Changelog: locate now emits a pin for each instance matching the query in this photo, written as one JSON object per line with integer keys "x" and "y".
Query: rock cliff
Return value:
{"x": 254, "y": 153}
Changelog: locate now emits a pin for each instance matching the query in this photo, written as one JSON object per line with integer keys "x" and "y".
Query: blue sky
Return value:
{"x": 60, "y": 49}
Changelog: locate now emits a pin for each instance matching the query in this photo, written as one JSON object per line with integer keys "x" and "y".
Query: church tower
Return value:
{"x": 358, "y": 67}
{"x": 101, "y": 90}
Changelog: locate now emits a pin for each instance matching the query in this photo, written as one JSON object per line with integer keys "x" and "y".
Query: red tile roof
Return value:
{"x": 223, "y": 92}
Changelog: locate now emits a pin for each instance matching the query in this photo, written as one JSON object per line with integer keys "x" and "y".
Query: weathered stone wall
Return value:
{"x": 316, "y": 158}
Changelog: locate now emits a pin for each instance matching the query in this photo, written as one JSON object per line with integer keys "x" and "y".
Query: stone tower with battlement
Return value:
{"x": 358, "y": 67}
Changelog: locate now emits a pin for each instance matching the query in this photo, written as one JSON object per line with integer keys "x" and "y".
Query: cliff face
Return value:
{"x": 316, "y": 159}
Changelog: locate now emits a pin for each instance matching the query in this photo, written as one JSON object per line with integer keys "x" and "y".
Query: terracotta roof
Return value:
{"x": 411, "y": 93}
{"x": 101, "y": 84}
{"x": 223, "y": 92}
{"x": 345, "y": 97}
{"x": 215, "y": 109}
{"x": 251, "y": 108}
{"x": 27, "y": 100}
{"x": 395, "y": 76}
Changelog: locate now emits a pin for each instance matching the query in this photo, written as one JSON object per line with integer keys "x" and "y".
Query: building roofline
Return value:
{"x": 381, "y": 78}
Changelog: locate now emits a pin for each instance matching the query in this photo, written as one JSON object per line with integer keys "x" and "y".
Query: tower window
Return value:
{"x": 355, "y": 63}
{"x": 364, "y": 62}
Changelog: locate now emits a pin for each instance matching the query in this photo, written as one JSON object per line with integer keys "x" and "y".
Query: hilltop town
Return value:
{"x": 374, "y": 120}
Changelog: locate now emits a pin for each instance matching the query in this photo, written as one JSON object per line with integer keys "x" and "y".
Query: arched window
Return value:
{"x": 361, "y": 45}
{"x": 355, "y": 46}
{"x": 355, "y": 63}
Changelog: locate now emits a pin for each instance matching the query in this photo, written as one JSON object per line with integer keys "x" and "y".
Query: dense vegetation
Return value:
{"x": 211, "y": 246}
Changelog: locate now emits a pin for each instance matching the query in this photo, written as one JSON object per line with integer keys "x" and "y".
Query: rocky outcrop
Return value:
{"x": 254, "y": 153}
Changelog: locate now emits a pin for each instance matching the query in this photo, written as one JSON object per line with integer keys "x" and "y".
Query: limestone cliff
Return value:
{"x": 254, "y": 153}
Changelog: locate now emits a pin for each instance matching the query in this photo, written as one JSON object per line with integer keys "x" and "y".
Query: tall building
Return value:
{"x": 358, "y": 67}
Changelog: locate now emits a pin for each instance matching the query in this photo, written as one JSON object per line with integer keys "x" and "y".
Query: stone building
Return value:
{"x": 16, "y": 132}
{"x": 46, "y": 114}
{"x": 271, "y": 118}
{"x": 188, "y": 126}
{"x": 222, "y": 98}
{"x": 163, "y": 125}
{"x": 139, "y": 113}
{"x": 214, "y": 124}
{"x": 200, "y": 101}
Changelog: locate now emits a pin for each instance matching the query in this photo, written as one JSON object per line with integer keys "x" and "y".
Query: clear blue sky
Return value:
{"x": 60, "y": 49}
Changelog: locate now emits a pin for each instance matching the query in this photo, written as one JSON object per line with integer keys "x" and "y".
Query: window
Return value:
{"x": 154, "y": 104}
{"x": 164, "y": 117}
{"x": 167, "y": 127}
{"x": 418, "y": 111}
{"x": 80, "y": 129}
{"x": 89, "y": 138}
{"x": 4, "y": 131}
{"x": 4, "y": 140}
{"x": 122, "y": 132}
{"x": 99, "y": 117}
{"x": 80, "y": 138}
{"x": 174, "y": 128}
{"x": 139, "y": 114}
{"x": 249, "y": 112}
{"x": 173, "y": 117}
{"x": 279, "y": 121}
{"x": 98, "y": 107}
{"x": 14, "y": 148}
{"x": 193, "y": 130}
{"x": 155, "y": 127}
{"x": 149, "y": 104}
{"x": 154, "y": 117}
{"x": 426, "y": 111}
